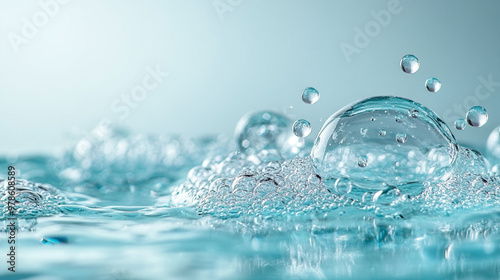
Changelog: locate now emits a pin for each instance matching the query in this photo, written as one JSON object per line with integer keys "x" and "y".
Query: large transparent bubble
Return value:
{"x": 269, "y": 133}
{"x": 384, "y": 142}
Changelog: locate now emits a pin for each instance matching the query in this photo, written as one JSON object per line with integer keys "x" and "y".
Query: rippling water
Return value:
{"x": 357, "y": 203}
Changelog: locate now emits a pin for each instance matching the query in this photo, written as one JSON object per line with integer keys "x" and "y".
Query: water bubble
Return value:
{"x": 343, "y": 185}
{"x": 470, "y": 161}
{"x": 266, "y": 131}
{"x": 428, "y": 157}
{"x": 477, "y": 116}
{"x": 409, "y": 64}
{"x": 460, "y": 124}
{"x": 314, "y": 180}
{"x": 310, "y": 95}
{"x": 433, "y": 84}
{"x": 362, "y": 161}
{"x": 413, "y": 113}
{"x": 493, "y": 144}
{"x": 398, "y": 118}
{"x": 301, "y": 128}
{"x": 401, "y": 138}
{"x": 32, "y": 199}
{"x": 363, "y": 131}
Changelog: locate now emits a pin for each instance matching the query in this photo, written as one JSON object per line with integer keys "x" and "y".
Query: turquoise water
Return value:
{"x": 384, "y": 192}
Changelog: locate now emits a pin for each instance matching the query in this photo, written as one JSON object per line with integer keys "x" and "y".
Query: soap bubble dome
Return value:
{"x": 374, "y": 129}
{"x": 268, "y": 134}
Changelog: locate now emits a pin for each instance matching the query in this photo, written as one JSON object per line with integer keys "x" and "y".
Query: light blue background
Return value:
{"x": 254, "y": 55}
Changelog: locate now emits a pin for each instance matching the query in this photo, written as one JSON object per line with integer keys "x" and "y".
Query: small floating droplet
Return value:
{"x": 401, "y": 138}
{"x": 310, "y": 95}
{"x": 477, "y": 116}
{"x": 363, "y": 131}
{"x": 460, "y": 124}
{"x": 301, "y": 128}
{"x": 409, "y": 64}
{"x": 382, "y": 132}
{"x": 433, "y": 84}
{"x": 399, "y": 118}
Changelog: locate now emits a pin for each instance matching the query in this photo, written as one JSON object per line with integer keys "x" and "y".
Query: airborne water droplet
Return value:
{"x": 477, "y": 116}
{"x": 301, "y": 128}
{"x": 460, "y": 124}
{"x": 409, "y": 64}
{"x": 310, "y": 95}
{"x": 433, "y": 84}
{"x": 382, "y": 132}
{"x": 496, "y": 169}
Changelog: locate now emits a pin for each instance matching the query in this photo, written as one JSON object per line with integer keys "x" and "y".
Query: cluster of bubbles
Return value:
{"x": 116, "y": 158}
{"x": 32, "y": 199}
{"x": 236, "y": 186}
{"x": 267, "y": 135}
{"x": 112, "y": 167}
{"x": 386, "y": 154}
{"x": 476, "y": 115}
{"x": 378, "y": 152}
{"x": 469, "y": 186}
{"x": 410, "y": 64}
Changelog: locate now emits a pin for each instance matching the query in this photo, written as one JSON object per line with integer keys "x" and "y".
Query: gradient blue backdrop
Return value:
{"x": 228, "y": 57}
